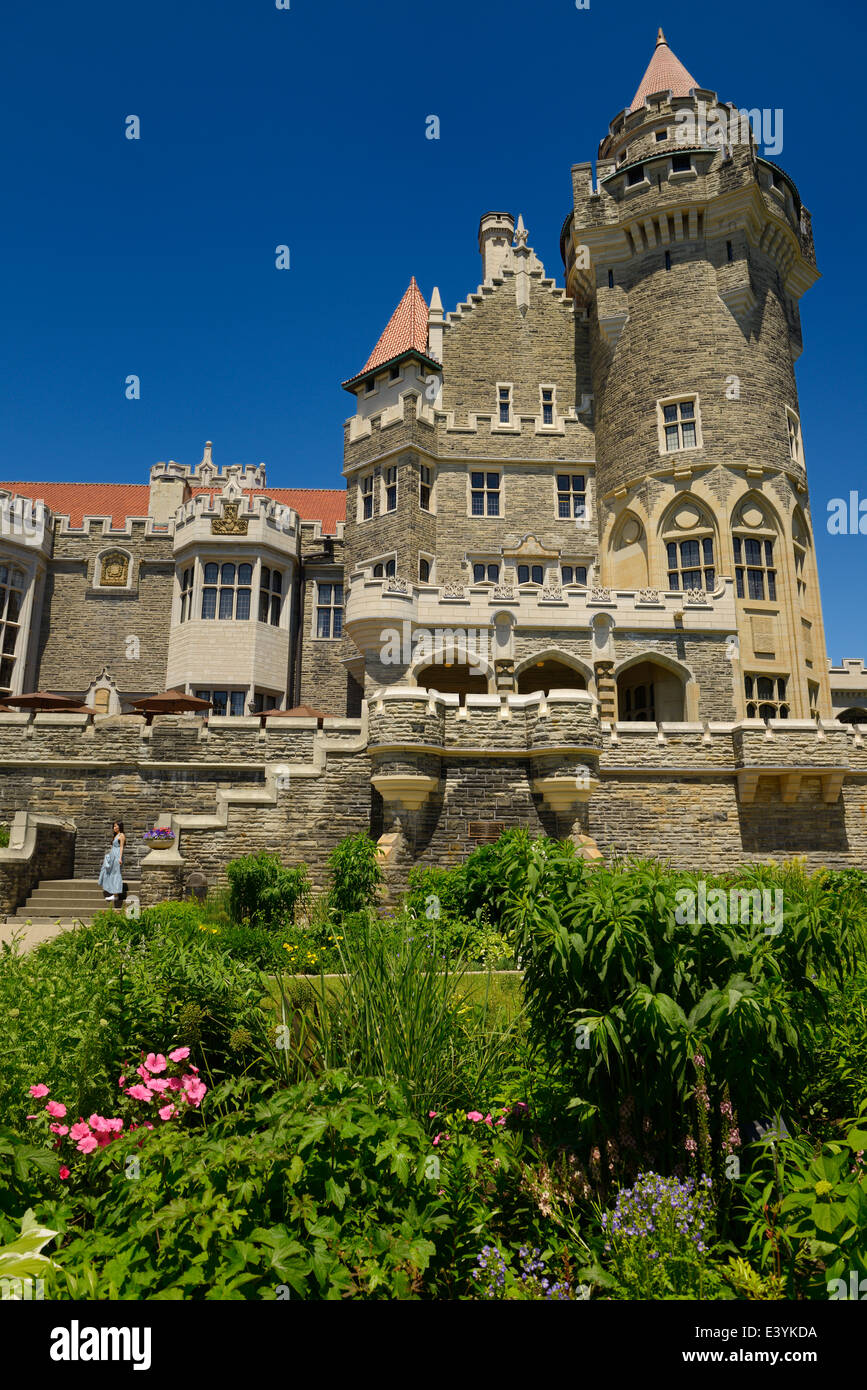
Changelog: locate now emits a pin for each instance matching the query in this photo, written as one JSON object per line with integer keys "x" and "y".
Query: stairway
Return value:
{"x": 55, "y": 905}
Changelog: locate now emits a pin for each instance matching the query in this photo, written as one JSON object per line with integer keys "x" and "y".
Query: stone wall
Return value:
{"x": 40, "y": 847}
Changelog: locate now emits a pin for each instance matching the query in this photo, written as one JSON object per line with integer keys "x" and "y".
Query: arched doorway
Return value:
{"x": 649, "y": 691}
{"x": 548, "y": 675}
{"x": 455, "y": 679}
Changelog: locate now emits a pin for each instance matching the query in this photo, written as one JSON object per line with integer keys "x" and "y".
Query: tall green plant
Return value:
{"x": 263, "y": 892}
{"x": 355, "y": 874}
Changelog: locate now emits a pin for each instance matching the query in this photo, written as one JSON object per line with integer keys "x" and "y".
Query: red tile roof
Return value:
{"x": 664, "y": 73}
{"x": 122, "y": 500}
{"x": 406, "y": 331}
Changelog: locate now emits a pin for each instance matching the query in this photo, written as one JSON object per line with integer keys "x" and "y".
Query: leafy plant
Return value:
{"x": 355, "y": 874}
{"x": 263, "y": 892}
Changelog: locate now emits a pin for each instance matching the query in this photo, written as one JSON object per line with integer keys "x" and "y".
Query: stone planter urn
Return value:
{"x": 161, "y": 841}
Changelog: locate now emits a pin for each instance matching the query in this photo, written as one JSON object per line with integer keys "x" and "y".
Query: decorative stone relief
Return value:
{"x": 397, "y": 586}
{"x": 230, "y": 523}
{"x": 453, "y": 591}
{"x": 552, "y": 591}
{"x": 647, "y": 596}
{"x": 504, "y": 591}
{"x": 600, "y": 595}
{"x": 694, "y": 596}
{"x": 114, "y": 570}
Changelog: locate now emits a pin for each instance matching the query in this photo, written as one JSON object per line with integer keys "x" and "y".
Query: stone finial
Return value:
{"x": 206, "y": 456}
{"x": 435, "y": 326}
{"x": 521, "y": 232}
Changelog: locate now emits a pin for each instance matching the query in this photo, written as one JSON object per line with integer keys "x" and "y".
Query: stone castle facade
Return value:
{"x": 571, "y": 582}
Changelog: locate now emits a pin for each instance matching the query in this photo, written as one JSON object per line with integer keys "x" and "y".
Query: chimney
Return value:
{"x": 496, "y": 231}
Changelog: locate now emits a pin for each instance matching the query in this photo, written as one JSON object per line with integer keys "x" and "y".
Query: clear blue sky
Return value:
{"x": 306, "y": 127}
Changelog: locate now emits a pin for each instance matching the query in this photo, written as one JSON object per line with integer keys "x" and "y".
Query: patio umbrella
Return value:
{"x": 43, "y": 699}
{"x": 170, "y": 702}
{"x": 298, "y": 712}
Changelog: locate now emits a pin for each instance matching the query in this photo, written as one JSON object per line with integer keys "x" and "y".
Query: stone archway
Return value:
{"x": 453, "y": 679}
{"x": 655, "y": 689}
{"x": 549, "y": 671}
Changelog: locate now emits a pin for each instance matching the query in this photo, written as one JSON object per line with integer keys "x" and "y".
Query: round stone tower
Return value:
{"x": 688, "y": 253}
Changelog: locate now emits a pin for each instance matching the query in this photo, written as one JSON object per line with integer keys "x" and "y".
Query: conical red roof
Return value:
{"x": 406, "y": 331}
{"x": 664, "y": 73}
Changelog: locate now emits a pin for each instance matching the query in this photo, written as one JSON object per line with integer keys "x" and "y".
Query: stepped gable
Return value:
{"x": 405, "y": 332}
{"x": 665, "y": 73}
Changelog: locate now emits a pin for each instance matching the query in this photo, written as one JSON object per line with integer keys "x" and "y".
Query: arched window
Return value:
{"x": 531, "y": 574}
{"x": 688, "y": 536}
{"x": 226, "y": 591}
{"x": 385, "y": 569}
{"x": 101, "y": 700}
{"x": 766, "y": 697}
{"x": 753, "y": 541}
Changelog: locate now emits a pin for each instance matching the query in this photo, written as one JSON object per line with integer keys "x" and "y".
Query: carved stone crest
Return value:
{"x": 600, "y": 595}
{"x": 694, "y": 596}
{"x": 647, "y": 596}
{"x": 230, "y": 523}
{"x": 504, "y": 591}
{"x": 552, "y": 591}
{"x": 397, "y": 586}
{"x": 453, "y": 591}
{"x": 114, "y": 570}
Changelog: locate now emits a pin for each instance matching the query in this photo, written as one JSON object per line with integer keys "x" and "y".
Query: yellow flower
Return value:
{"x": 822, "y": 1188}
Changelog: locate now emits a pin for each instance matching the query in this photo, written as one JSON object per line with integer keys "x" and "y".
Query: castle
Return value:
{"x": 571, "y": 582}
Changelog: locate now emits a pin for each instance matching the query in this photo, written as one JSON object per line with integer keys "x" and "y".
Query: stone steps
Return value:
{"x": 70, "y": 900}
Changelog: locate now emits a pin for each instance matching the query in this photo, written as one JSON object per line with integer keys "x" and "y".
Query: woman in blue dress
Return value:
{"x": 111, "y": 873}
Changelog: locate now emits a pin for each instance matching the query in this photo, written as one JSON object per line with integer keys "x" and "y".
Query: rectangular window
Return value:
{"x": 766, "y": 697}
{"x": 186, "y": 594}
{"x": 425, "y": 484}
{"x": 680, "y": 163}
{"x": 530, "y": 574}
{"x": 634, "y": 175}
{"x": 329, "y": 609}
{"x": 11, "y": 601}
{"x": 393, "y": 373}
{"x": 485, "y": 494}
{"x": 730, "y": 251}
{"x": 571, "y": 494}
{"x": 547, "y": 404}
{"x": 391, "y": 489}
{"x": 662, "y": 135}
{"x": 504, "y": 402}
{"x": 486, "y": 574}
{"x": 679, "y": 425}
{"x": 691, "y": 564}
{"x": 367, "y": 497}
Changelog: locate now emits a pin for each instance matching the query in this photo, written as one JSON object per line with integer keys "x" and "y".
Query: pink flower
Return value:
{"x": 175, "y": 1083}
{"x": 121, "y": 1081}
{"x": 55, "y": 1109}
{"x": 116, "y": 1125}
{"x": 39, "y": 1091}
{"x": 690, "y": 1145}
{"x": 143, "y": 1072}
{"x": 501, "y": 1120}
{"x": 166, "y": 1112}
{"x": 180, "y": 1054}
{"x": 100, "y": 1125}
{"x": 432, "y": 1114}
{"x": 155, "y": 1063}
{"x": 489, "y": 1119}
{"x": 148, "y": 1125}
{"x": 195, "y": 1069}
{"x": 157, "y": 1084}
{"x": 59, "y": 1129}
{"x": 79, "y": 1131}
{"x": 139, "y": 1093}
{"x": 64, "y": 1173}
{"x": 474, "y": 1115}
{"x": 194, "y": 1089}
{"x": 87, "y": 1144}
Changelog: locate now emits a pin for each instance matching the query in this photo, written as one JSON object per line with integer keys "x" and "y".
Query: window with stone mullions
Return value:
{"x": 270, "y": 596}
{"x": 486, "y": 574}
{"x": 227, "y": 591}
{"x": 690, "y": 564}
{"x": 755, "y": 576}
{"x": 367, "y": 497}
{"x": 766, "y": 697}
{"x": 425, "y": 482}
{"x": 485, "y": 494}
{"x": 571, "y": 494}
{"x": 531, "y": 574}
{"x": 187, "y": 594}
{"x": 11, "y": 600}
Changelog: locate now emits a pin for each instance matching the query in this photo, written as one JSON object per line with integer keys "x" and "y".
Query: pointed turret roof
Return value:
{"x": 664, "y": 73}
{"x": 406, "y": 331}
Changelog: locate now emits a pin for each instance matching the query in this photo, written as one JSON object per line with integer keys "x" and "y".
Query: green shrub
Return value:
{"x": 355, "y": 874}
{"x": 669, "y": 1030}
{"x": 4, "y": 836}
{"x": 263, "y": 892}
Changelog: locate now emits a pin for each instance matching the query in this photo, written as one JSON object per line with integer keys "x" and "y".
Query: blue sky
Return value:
{"x": 306, "y": 127}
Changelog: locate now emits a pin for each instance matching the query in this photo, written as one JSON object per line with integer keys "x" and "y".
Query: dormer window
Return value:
{"x": 394, "y": 373}
{"x": 681, "y": 163}
{"x": 370, "y": 385}
{"x": 635, "y": 175}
